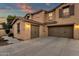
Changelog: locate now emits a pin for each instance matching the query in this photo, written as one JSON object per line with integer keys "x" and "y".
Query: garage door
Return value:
{"x": 61, "y": 31}
{"x": 34, "y": 31}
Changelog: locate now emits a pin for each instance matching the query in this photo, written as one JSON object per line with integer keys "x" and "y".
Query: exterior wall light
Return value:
{"x": 77, "y": 26}
{"x": 27, "y": 26}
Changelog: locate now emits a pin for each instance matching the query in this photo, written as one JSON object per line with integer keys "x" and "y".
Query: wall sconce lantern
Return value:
{"x": 77, "y": 26}
{"x": 27, "y": 26}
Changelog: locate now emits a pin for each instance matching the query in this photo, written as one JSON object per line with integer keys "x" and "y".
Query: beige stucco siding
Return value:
{"x": 43, "y": 17}
{"x": 43, "y": 31}
{"x": 24, "y": 32}
{"x": 70, "y": 20}
{"x": 76, "y": 31}
{"x": 73, "y": 19}
{"x": 39, "y": 17}
{"x": 76, "y": 26}
{"x": 27, "y": 27}
{"x": 53, "y": 16}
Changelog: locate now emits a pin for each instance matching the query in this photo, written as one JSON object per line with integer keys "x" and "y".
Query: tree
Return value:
{"x": 7, "y": 26}
{"x": 10, "y": 19}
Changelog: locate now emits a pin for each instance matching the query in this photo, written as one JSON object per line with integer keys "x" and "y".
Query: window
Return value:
{"x": 29, "y": 17}
{"x": 66, "y": 11}
{"x": 50, "y": 15}
{"x": 18, "y": 28}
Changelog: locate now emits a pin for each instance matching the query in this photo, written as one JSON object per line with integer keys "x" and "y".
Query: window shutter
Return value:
{"x": 71, "y": 9}
{"x": 60, "y": 13}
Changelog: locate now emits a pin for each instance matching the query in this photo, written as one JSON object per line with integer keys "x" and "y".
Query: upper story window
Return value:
{"x": 29, "y": 16}
{"x": 66, "y": 11}
{"x": 50, "y": 16}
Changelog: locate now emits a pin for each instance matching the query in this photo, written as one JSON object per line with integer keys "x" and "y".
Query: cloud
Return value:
{"x": 25, "y": 7}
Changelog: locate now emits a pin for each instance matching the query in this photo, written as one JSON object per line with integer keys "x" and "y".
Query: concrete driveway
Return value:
{"x": 50, "y": 46}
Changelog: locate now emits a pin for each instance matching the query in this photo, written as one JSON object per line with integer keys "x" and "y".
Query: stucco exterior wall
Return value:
{"x": 45, "y": 31}
{"x": 41, "y": 31}
{"x": 24, "y": 32}
{"x": 70, "y": 20}
{"x": 39, "y": 17}
{"x": 76, "y": 31}
{"x": 53, "y": 17}
{"x": 44, "y": 17}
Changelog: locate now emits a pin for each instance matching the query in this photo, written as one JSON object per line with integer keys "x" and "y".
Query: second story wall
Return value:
{"x": 39, "y": 17}
{"x": 73, "y": 18}
{"x": 50, "y": 16}
{"x": 70, "y": 10}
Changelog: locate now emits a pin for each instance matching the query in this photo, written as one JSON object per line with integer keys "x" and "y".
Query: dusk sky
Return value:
{"x": 20, "y": 9}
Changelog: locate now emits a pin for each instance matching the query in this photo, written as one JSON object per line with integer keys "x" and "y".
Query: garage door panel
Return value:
{"x": 61, "y": 31}
{"x": 34, "y": 31}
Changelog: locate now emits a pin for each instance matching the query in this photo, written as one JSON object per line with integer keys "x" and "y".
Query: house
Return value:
{"x": 67, "y": 21}
{"x": 27, "y": 28}
{"x": 62, "y": 21}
